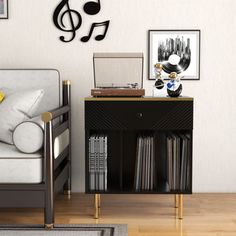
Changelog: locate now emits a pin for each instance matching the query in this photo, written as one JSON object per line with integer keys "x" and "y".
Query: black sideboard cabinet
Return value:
{"x": 123, "y": 121}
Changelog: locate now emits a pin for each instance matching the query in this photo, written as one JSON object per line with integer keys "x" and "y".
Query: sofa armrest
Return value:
{"x": 51, "y": 115}
{"x": 61, "y": 116}
{"x": 50, "y": 133}
{"x": 58, "y": 129}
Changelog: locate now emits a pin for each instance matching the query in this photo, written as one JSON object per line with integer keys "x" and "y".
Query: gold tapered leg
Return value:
{"x": 48, "y": 226}
{"x": 99, "y": 201}
{"x": 181, "y": 206}
{"x": 67, "y": 193}
{"x": 176, "y": 200}
{"x": 96, "y": 204}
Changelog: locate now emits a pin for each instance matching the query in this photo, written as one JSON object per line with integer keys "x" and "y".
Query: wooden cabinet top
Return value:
{"x": 141, "y": 99}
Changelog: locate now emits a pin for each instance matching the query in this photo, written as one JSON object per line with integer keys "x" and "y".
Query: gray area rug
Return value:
{"x": 67, "y": 230}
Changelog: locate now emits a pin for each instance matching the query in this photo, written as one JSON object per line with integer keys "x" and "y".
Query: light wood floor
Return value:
{"x": 147, "y": 215}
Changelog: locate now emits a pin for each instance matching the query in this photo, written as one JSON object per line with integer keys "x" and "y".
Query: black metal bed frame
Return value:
{"x": 57, "y": 172}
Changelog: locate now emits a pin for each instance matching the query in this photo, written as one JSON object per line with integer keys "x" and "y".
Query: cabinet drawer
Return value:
{"x": 139, "y": 115}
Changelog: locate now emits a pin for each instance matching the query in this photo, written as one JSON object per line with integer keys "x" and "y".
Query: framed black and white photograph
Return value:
{"x": 3, "y": 9}
{"x": 177, "y": 50}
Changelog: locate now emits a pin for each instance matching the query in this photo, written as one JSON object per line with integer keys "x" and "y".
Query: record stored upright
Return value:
{"x": 164, "y": 124}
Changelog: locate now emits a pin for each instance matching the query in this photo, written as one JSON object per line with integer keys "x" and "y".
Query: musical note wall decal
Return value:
{"x": 69, "y": 20}
{"x": 100, "y": 36}
{"x": 58, "y": 19}
{"x": 92, "y": 8}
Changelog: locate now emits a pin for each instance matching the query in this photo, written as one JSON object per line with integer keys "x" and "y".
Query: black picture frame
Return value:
{"x": 188, "y": 35}
{"x": 3, "y": 9}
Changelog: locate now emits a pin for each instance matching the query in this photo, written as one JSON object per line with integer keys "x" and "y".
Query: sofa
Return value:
{"x": 35, "y": 147}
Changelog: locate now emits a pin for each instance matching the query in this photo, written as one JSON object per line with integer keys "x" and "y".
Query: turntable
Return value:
{"x": 118, "y": 75}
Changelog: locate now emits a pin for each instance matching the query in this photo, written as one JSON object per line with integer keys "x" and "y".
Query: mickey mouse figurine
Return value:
{"x": 174, "y": 86}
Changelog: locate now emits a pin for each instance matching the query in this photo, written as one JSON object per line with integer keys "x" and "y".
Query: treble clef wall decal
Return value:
{"x": 58, "y": 19}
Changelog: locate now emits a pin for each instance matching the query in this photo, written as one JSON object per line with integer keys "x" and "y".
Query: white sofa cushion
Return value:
{"x": 28, "y": 135}
{"x": 17, "y": 167}
{"x": 61, "y": 142}
{"x": 16, "y": 108}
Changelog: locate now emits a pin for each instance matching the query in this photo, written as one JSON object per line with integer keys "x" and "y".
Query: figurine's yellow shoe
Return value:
{"x": 2, "y": 96}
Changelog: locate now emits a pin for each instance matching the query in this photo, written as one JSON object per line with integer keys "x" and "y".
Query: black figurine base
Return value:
{"x": 175, "y": 93}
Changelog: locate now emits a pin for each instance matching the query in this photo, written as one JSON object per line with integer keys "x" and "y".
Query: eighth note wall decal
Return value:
{"x": 74, "y": 20}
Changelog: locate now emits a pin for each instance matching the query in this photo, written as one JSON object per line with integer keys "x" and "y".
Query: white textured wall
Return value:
{"x": 30, "y": 40}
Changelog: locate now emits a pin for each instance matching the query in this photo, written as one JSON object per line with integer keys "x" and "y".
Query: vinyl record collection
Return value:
{"x": 178, "y": 161}
{"x": 144, "y": 179}
{"x": 98, "y": 162}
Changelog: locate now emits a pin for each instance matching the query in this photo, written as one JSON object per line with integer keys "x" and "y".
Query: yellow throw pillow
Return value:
{"x": 2, "y": 96}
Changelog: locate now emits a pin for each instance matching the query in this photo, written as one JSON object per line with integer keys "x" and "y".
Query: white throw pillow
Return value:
{"x": 4, "y": 92}
{"x": 7, "y": 91}
{"x": 28, "y": 135}
{"x": 16, "y": 108}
